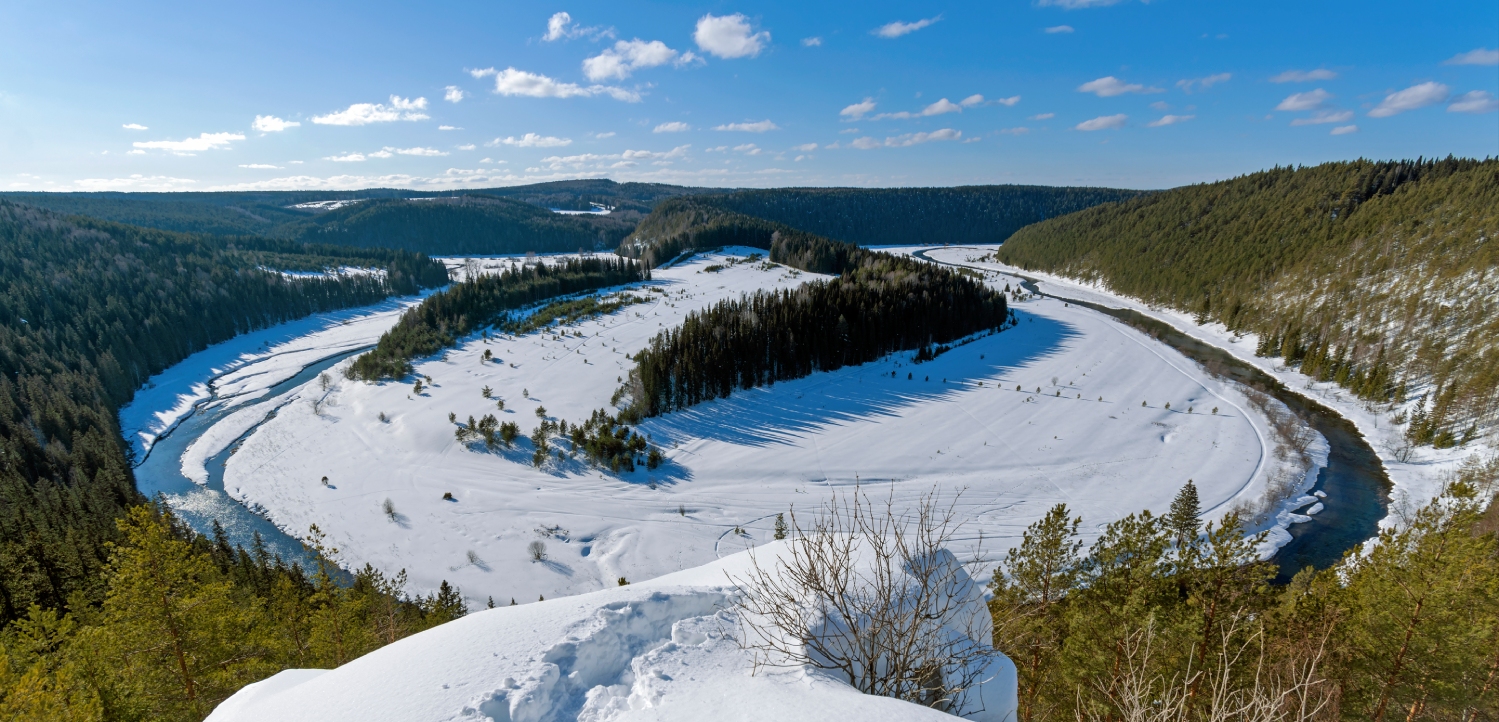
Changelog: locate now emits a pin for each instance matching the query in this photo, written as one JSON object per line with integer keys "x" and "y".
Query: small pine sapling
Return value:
{"x": 487, "y": 392}
{"x": 1168, "y": 405}
{"x": 780, "y": 532}
{"x": 448, "y": 496}
{"x": 1215, "y": 410}
{"x": 500, "y": 403}
{"x": 389, "y": 507}
{"x": 623, "y": 582}
{"x": 452, "y": 418}
{"x": 416, "y": 388}
{"x": 541, "y": 412}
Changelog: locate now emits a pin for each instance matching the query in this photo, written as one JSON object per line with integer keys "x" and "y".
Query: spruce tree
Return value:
{"x": 780, "y": 526}
{"x": 1182, "y": 519}
{"x": 1029, "y": 590}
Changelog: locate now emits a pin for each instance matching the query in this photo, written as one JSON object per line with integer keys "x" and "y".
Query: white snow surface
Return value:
{"x": 660, "y": 650}
{"x": 1417, "y": 480}
{"x": 957, "y": 424}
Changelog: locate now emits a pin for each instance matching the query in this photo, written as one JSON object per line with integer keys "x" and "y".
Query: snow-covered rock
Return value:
{"x": 661, "y": 650}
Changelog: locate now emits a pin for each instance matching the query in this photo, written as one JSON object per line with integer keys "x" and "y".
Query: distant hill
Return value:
{"x": 1380, "y": 276}
{"x": 864, "y": 216}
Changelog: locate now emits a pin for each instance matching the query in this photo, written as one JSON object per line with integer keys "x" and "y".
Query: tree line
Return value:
{"x": 443, "y": 318}
{"x": 1375, "y": 275}
{"x": 1163, "y": 619}
{"x": 879, "y": 304}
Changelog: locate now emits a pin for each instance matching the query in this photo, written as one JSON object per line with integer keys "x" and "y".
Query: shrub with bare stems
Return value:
{"x": 873, "y": 594}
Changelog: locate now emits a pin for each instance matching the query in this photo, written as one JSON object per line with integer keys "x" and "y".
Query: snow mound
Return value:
{"x": 661, "y": 650}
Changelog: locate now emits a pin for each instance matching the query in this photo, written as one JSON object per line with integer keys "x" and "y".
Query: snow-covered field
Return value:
{"x": 957, "y": 424}
{"x": 659, "y": 650}
{"x": 1416, "y": 480}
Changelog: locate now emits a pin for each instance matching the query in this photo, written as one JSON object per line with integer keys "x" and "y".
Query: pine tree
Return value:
{"x": 780, "y": 526}
{"x": 1029, "y": 589}
{"x": 1182, "y": 519}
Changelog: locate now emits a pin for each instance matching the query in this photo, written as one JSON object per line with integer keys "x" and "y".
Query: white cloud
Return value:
{"x": 425, "y": 152}
{"x": 1303, "y": 76}
{"x": 1077, "y": 4}
{"x": 1043, "y": 116}
{"x": 1304, "y": 101}
{"x": 729, "y": 36}
{"x": 897, "y": 28}
{"x": 349, "y": 158}
{"x": 448, "y": 127}
{"x": 204, "y": 141}
{"x": 1416, "y": 96}
{"x": 907, "y": 140}
{"x": 626, "y": 57}
{"x": 453, "y": 94}
{"x": 1110, "y": 86}
{"x": 848, "y": 130}
{"x": 1161, "y": 105}
{"x": 134, "y": 126}
{"x": 1022, "y": 130}
{"x": 561, "y": 25}
{"x": 1481, "y": 56}
{"x": 748, "y": 149}
{"x": 1476, "y": 101}
{"x": 1203, "y": 83}
{"x": 1321, "y": 117}
{"x": 1006, "y": 102}
{"x": 479, "y": 73}
{"x": 532, "y": 140}
{"x": 1344, "y": 130}
{"x": 675, "y": 126}
{"x": 942, "y": 106}
{"x": 812, "y": 42}
{"x": 1168, "y": 120}
{"x": 1053, "y": 30}
{"x": 977, "y": 99}
{"x": 757, "y": 127}
{"x": 272, "y": 124}
{"x": 260, "y": 166}
{"x": 857, "y": 110}
{"x": 1103, "y": 122}
{"x": 382, "y": 153}
{"x": 366, "y": 113}
{"x": 535, "y": 85}
{"x": 601, "y": 136}
{"x": 135, "y": 182}
{"x": 466, "y": 146}
{"x": 805, "y": 147}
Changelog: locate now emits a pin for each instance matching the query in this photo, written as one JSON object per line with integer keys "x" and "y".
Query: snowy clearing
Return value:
{"x": 956, "y": 423}
{"x": 661, "y": 650}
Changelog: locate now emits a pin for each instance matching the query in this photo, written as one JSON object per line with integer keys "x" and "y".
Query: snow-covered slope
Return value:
{"x": 957, "y": 423}
{"x": 662, "y": 650}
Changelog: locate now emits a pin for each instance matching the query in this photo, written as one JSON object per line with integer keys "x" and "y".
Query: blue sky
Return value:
{"x": 283, "y": 95}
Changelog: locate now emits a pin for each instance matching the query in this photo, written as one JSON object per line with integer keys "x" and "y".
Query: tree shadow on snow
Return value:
{"x": 789, "y": 410}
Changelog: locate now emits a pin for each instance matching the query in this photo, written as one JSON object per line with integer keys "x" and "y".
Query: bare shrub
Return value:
{"x": 317, "y": 406}
{"x": 324, "y": 380}
{"x": 389, "y": 507}
{"x": 875, "y": 596}
{"x": 537, "y": 550}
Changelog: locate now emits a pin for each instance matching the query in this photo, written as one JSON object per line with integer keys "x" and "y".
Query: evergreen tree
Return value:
{"x": 1182, "y": 519}
{"x": 780, "y": 532}
{"x": 1029, "y": 590}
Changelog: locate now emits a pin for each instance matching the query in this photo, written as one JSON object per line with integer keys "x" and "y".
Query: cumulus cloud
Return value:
{"x": 1481, "y": 56}
{"x": 348, "y": 158}
{"x": 942, "y": 106}
{"x": 805, "y": 147}
{"x": 1190, "y": 84}
{"x": 898, "y": 28}
{"x": 1476, "y": 101}
{"x": 561, "y": 26}
{"x": 812, "y": 42}
{"x": 1076, "y": 4}
{"x": 1304, "y": 76}
{"x": 136, "y": 182}
{"x": 260, "y": 166}
{"x": 535, "y": 85}
{"x": 453, "y": 94}
{"x": 204, "y": 141}
{"x": 627, "y": 56}
{"x": 1344, "y": 130}
{"x": 1304, "y": 101}
{"x": 747, "y": 127}
{"x": 532, "y": 140}
{"x": 448, "y": 127}
{"x": 134, "y": 126}
{"x": 1043, "y": 116}
{"x": 367, "y": 113}
{"x": 857, "y": 110}
{"x": 907, "y": 140}
{"x": 1416, "y": 96}
{"x": 1110, "y": 86}
{"x": 675, "y": 126}
{"x": 601, "y": 136}
{"x": 748, "y": 149}
{"x": 608, "y": 161}
{"x": 1169, "y": 120}
{"x": 466, "y": 146}
{"x": 729, "y": 36}
{"x": 272, "y": 124}
{"x": 1321, "y": 117}
{"x": 425, "y": 152}
{"x": 1053, "y": 30}
{"x": 1103, "y": 122}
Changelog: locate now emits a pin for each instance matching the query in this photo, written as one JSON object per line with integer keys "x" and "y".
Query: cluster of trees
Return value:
{"x": 568, "y": 312}
{"x": 184, "y": 621}
{"x": 878, "y": 304}
{"x": 1375, "y": 275}
{"x": 440, "y": 320}
{"x": 89, "y": 310}
{"x": 1163, "y": 620}
{"x": 607, "y": 442}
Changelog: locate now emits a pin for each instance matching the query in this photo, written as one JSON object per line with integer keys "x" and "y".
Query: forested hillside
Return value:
{"x": 1380, "y": 276}
{"x": 88, "y": 311}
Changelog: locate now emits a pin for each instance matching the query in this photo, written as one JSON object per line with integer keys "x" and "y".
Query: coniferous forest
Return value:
{"x": 1376, "y": 275}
